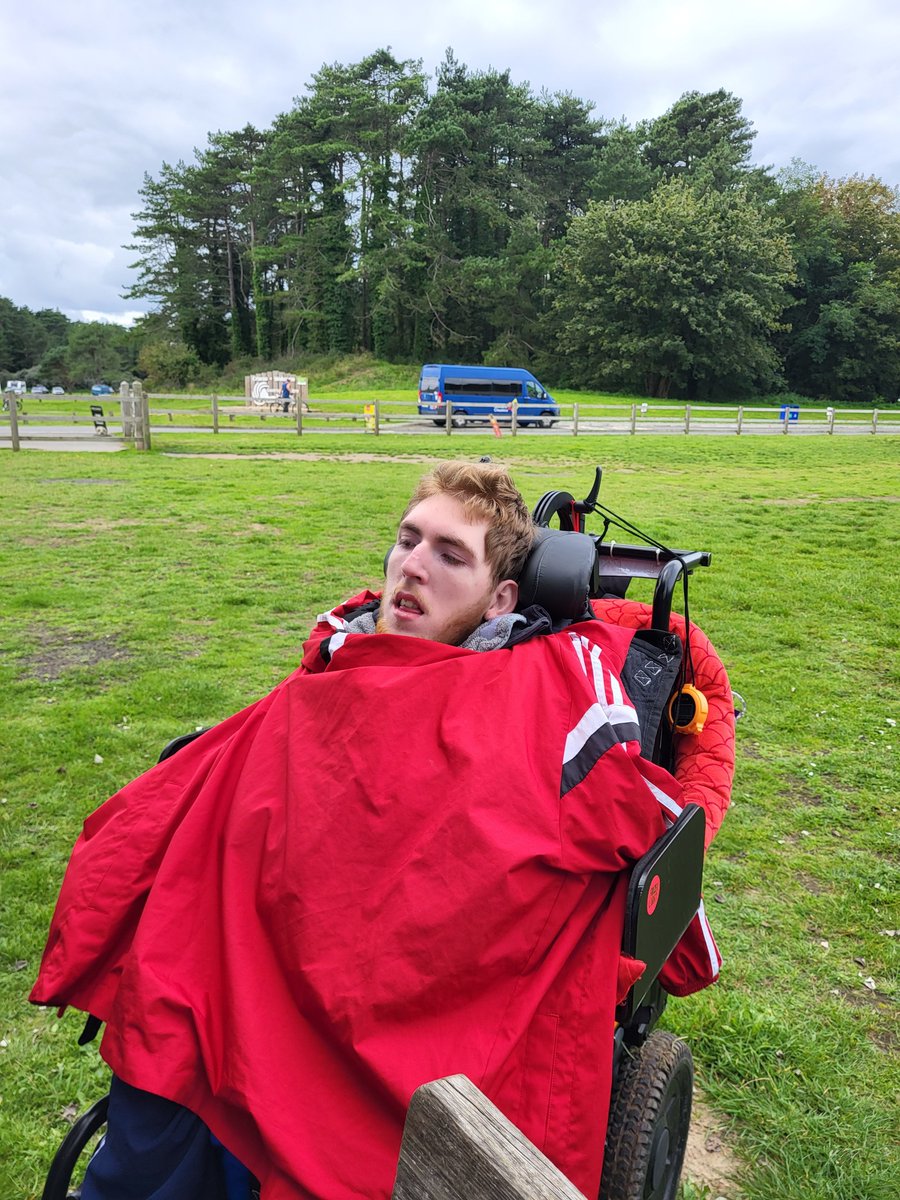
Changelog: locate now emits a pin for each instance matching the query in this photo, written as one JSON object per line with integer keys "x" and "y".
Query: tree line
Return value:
{"x": 47, "y": 347}
{"x": 472, "y": 219}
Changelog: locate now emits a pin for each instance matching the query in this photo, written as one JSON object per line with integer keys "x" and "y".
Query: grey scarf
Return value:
{"x": 490, "y": 635}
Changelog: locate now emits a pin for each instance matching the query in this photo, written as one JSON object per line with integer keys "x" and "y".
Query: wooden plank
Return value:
{"x": 457, "y": 1145}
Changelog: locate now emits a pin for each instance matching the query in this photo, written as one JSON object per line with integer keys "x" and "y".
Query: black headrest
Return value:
{"x": 560, "y": 575}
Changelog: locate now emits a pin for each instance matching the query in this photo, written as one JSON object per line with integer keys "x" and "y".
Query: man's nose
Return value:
{"x": 413, "y": 565}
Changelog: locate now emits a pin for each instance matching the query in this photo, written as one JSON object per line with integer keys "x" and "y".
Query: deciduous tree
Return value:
{"x": 678, "y": 293}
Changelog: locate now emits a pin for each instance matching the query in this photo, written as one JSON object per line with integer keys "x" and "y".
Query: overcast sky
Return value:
{"x": 94, "y": 94}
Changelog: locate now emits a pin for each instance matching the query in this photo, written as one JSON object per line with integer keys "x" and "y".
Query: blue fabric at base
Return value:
{"x": 157, "y": 1150}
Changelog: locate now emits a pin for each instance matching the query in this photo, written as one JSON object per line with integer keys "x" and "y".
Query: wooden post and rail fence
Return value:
{"x": 138, "y": 415}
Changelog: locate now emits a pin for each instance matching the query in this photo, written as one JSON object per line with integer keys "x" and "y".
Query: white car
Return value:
{"x": 58, "y": 391}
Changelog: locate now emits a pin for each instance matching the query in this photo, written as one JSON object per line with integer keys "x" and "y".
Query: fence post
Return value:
{"x": 377, "y": 416}
{"x": 829, "y": 417}
{"x": 456, "y": 1143}
{"x": 633, "y": 418}
{"x": 515, "y": 418}
{"x": 447, "y": 411}
{"x": 874, "y": 420}
{"x": 740, "y": 419}
{"x": 215, "y": 412}
{"x": 575, "y": 419}
{"x": 127, "y": 411}
{"x": 138, "y": 417}
{"x": 687, "y": 418}
{"x": 14, "y": 420}
{"x": 300, "y": 412}
{"x": 143, "y": 402}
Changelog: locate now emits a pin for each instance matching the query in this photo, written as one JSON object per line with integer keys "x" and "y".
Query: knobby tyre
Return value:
{"x": 649, "y": 1118}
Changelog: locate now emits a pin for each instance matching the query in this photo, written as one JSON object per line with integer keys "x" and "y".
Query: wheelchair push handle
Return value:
{"x": 616, "y": 563}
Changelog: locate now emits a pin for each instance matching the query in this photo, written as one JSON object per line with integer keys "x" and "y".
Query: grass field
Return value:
{"x": 143, "y": 595}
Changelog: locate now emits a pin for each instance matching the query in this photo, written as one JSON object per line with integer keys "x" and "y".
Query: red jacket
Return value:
{"x": 405, "y": 862}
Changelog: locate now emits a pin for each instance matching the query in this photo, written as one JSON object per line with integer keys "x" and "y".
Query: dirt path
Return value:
{"x": 709, "y": 1161}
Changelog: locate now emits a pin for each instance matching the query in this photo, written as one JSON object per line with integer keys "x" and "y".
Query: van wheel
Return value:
{"x": 439, "y": 423}
{"x": 458, "y": 420}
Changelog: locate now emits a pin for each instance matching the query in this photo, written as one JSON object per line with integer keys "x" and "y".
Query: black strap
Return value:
{"x": 91, "y": 1029}
{"x": 649, "y": 673}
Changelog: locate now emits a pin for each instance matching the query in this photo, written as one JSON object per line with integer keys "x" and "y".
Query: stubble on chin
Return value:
{"x": 454, "y": 633}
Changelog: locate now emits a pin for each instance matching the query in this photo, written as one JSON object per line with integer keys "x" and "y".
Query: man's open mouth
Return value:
{"x": 406, "y": 603}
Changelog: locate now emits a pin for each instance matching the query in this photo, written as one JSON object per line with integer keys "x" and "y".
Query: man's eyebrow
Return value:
{"x": 445, "y": 539}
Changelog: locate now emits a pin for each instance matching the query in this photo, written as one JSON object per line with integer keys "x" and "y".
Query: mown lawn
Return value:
{"x": 143, "y": 595}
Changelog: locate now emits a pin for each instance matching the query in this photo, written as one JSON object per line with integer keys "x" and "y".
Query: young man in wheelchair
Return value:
{"x": 407, "y": 861}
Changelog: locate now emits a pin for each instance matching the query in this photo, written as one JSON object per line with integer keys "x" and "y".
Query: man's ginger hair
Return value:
{"x": 487, "y": 493}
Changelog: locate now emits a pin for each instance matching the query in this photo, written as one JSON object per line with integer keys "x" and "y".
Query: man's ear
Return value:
{"x": 504, "y": 599}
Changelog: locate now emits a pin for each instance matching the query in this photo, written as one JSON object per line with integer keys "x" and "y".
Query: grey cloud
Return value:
{"x": 101, "y": 92}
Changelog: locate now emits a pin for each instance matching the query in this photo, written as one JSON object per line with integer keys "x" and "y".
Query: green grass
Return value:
{"x": 142, "y": 595}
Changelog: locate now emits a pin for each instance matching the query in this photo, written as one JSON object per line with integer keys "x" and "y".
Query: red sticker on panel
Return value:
{"x": 652, "y": 895}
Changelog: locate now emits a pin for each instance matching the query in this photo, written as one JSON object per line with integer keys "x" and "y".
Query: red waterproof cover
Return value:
{"x": 404, "y": 863}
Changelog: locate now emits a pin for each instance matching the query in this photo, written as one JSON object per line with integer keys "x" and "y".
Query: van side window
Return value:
{"x": 481, "y": 387}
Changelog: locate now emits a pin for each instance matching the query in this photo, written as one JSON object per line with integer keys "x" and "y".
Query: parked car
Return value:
{"x": 58, "y": 391}
{"x": 39, "y": 390}
{"x": 101, "y": 389}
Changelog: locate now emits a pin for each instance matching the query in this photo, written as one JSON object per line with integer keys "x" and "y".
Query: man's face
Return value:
{"x": 438, "y": 582}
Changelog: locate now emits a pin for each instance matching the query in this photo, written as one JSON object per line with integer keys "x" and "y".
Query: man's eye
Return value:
{"x": 405, "y": 543}
{"x": 452, "y": 560}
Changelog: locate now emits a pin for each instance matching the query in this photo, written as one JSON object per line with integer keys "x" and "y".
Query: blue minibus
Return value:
{"x": 480, "y": 393}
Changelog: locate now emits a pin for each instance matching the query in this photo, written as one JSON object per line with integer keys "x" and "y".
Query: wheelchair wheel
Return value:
{"x": 71, "y": 1159}
{"x": 648, "y": 1121}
